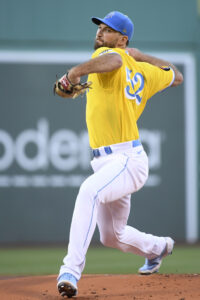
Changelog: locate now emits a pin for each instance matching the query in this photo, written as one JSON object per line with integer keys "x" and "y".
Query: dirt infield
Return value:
{"x": 99, "y": 287}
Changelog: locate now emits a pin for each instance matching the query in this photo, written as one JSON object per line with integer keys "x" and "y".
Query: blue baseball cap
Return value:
{"x": 118, "y": 22}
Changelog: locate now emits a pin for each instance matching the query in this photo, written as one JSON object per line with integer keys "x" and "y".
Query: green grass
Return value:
{"x": 41, "y": 261}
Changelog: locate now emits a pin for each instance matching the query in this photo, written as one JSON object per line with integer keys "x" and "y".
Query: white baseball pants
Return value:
{"x": 104, "y": 200}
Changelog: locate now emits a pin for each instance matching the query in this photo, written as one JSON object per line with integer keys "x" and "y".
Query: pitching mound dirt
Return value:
{"x": 99, "y": 287}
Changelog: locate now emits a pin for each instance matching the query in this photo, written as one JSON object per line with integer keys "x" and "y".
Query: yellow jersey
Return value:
{"x": 118, "y": 98}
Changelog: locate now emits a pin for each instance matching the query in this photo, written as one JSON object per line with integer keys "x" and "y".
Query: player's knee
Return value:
{"x": 87, "y": 190}
{"x": 141, "y": 178}
{"x": 109, "y": 241}
{"x": 113, "y": 241}
{"x": 111, "y": 237}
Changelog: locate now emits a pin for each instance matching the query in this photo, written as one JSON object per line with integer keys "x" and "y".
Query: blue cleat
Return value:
{"x": 153, "y": 265}
{"x": 67, "y": 285}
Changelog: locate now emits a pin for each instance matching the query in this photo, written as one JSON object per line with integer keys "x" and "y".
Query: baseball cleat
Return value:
{"x": 67, "y": 285}
{"x": 153, "y": 265}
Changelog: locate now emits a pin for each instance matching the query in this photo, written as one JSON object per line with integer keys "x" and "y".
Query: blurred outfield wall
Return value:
{"x": 44, "y": 153}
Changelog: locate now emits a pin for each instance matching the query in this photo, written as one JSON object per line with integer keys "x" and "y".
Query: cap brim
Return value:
{"x": 97, "y": 21}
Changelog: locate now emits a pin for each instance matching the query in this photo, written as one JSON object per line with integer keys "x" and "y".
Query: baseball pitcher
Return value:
{"x": 120, "y": 82}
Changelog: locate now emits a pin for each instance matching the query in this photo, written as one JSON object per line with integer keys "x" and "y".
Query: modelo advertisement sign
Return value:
{"x": 45, "y": 156}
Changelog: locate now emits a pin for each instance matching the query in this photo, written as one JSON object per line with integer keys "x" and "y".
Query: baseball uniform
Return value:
{"x": 120, "y": 164}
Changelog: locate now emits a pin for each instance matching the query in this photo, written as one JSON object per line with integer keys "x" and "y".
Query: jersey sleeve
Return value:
{"x": 104, "y": 50}
{"x": 157, "y": 78}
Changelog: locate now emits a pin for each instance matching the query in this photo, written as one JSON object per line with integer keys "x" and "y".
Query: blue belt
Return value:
{"x": 108, "y": 149}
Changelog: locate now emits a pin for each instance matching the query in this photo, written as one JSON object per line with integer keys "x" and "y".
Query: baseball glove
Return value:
{"x": 64, "y": 88}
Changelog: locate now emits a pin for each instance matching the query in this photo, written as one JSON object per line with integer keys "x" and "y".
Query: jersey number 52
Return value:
{"x": 135, "y": 86}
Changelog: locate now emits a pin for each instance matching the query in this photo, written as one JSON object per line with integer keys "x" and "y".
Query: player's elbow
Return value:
{"x": 178, "y": 78}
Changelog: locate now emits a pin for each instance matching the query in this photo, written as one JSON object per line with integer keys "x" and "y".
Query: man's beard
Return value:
{"x": 104, "y": 44}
